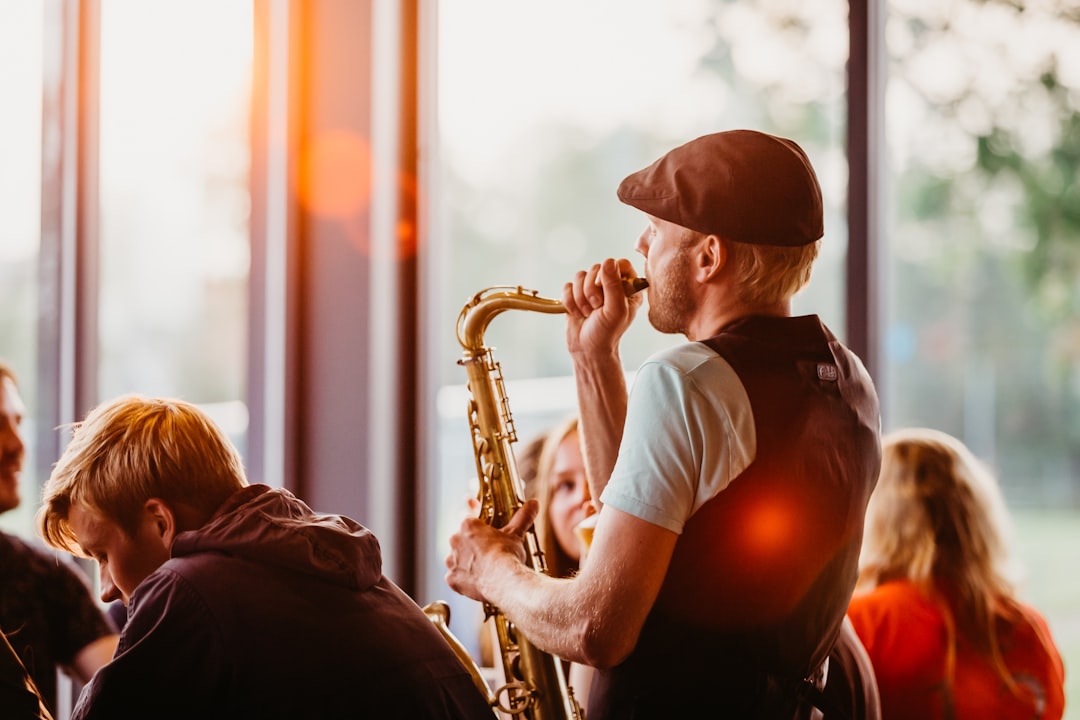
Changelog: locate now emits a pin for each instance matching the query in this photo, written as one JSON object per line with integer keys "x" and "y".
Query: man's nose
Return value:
{"x": 109, "y": 591}
{"x": 11, "y": 442}
{"x": 641, "y": 247}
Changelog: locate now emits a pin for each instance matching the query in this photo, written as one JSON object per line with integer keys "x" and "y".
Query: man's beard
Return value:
{"x": 670, "y": 300}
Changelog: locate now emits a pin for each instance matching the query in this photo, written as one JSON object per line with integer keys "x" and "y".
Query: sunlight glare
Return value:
{"x": 524, "y": 61}
{"x": 20, "y": 130}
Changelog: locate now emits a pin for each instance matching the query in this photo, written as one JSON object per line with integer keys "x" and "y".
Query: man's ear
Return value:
{"x": 712, "y": 257}
{"x": 162, "y": 519}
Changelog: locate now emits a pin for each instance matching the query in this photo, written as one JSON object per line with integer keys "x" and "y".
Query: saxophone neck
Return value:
{"x": 486, "y": 304}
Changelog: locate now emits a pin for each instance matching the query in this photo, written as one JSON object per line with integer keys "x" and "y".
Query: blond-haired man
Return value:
{"x": 242, "y": 602}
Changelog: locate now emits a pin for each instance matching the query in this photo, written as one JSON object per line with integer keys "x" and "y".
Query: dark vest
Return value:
{"x": 761, "y": 576}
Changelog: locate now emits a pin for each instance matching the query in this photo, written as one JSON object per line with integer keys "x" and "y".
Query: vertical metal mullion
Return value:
{"x": 866, "y": 158}
{"x": 272, "y": 364}
{"x": 67, "y": 288}
{"x": 86, "y": 295}
{"x": 68, "y": 256}
{"x": 429, "y": 282}
{"x": 393, "y": 374}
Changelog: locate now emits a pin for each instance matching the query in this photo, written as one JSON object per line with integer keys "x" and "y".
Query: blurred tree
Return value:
{"x": 984, "y": 100}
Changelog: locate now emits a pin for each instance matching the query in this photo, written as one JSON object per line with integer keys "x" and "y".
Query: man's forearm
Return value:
{"x": 602, "y": 397}
{"x": 595, "y": 617}
{"x": 546, "y": 610}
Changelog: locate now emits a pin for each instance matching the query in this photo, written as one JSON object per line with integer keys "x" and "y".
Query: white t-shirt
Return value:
{"x": 689, "y": 432}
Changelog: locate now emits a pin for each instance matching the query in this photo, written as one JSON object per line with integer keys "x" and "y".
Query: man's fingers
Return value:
{"x": 523, "y": 518}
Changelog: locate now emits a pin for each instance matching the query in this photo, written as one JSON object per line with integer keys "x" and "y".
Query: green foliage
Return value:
{"x": 1050, "y": 208}
{"x": 986, "y": 243}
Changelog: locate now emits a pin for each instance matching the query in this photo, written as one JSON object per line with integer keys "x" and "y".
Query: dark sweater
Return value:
{"x": 272, "y": 611}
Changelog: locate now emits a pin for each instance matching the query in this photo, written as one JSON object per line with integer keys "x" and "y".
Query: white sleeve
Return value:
{"x": 689, "y": 431}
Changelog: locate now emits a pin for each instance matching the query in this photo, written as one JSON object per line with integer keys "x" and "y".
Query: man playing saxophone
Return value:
{"x": 732, "y": 480}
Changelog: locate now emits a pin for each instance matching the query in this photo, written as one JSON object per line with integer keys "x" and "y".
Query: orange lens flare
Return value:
{"x": 335, "y": 175}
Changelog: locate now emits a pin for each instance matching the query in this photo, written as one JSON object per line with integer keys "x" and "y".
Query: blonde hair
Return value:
{"x": 938, "y": 519}
{"x": 771, "y": 273}
{"x": 527, "y": 458}
{"x": 132, "y": 449}
{"x": 559, "y": 563}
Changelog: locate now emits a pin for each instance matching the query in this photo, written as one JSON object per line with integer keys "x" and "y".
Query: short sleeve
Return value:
{"x": 689, "y": 431}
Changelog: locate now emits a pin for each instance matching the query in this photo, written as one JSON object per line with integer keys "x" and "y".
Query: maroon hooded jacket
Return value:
{"x": 272, "y": 611}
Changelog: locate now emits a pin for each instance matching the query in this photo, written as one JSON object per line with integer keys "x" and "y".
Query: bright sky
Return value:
{"x": 591, "y": 64}
{"x": 174, "y": 93}
{"x": 20, "y": 128}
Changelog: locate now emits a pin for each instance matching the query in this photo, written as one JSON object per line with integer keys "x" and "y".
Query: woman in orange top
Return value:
{"x": 947, "y": 636}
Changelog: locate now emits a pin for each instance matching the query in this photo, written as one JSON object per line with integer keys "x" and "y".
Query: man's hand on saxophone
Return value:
{"x": 478, "y": 544}
{"x": 598, "y": 307}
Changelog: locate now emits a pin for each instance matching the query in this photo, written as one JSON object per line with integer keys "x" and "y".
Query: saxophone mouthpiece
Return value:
{"x": 632, "y": 286}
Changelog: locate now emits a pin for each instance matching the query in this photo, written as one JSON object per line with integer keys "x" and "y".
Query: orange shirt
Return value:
{"x": 905, "y": 634}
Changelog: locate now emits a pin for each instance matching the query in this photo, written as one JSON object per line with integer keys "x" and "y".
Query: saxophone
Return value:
{"x": 536, "y": 686}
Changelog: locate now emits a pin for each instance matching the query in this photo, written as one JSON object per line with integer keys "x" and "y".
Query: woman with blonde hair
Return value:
{"x": 934, "y": 607}
{"x": 561, "y": 486}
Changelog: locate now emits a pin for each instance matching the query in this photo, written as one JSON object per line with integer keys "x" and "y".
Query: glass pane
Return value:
{"x": 983, "y": 125}
{"x": 545, "y": 107}
{"x": 175, "y": 97}
{"x": 534, "y": 145}
{"x": 21, "y": 53}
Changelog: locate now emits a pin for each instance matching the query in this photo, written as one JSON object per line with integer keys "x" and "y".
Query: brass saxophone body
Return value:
{"x": 535, "y": 687}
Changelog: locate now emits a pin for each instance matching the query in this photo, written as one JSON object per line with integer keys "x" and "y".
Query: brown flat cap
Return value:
{"x": 744, "y": 185}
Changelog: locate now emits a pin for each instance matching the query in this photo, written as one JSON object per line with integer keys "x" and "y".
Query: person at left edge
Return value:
{"x": 242, "y": 602}
{"x": 47, "y": 610}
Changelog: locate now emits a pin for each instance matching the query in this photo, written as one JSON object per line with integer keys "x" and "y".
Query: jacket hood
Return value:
{"x": 271, "y": 526}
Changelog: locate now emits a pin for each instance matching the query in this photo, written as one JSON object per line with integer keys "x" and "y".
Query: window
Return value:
{"x": 174, "y": 158}
{"x": 541, "y": 111}
{"x": 21, "y": 53}
{"x": 534, "y": 145}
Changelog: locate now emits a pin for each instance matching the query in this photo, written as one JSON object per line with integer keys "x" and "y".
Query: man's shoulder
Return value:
{"x": 33, "y": 576}
{"x": 684, "y": 357}
{"x": 210, "y": 566}
{"x": 31, "y": 554}
{"x": 182, "y": 597}
{"x": 685, "y": 366}
{"x": 207, "y": 579}
{"x": 8, "y": 543}
{"x": 12, "y": 542}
